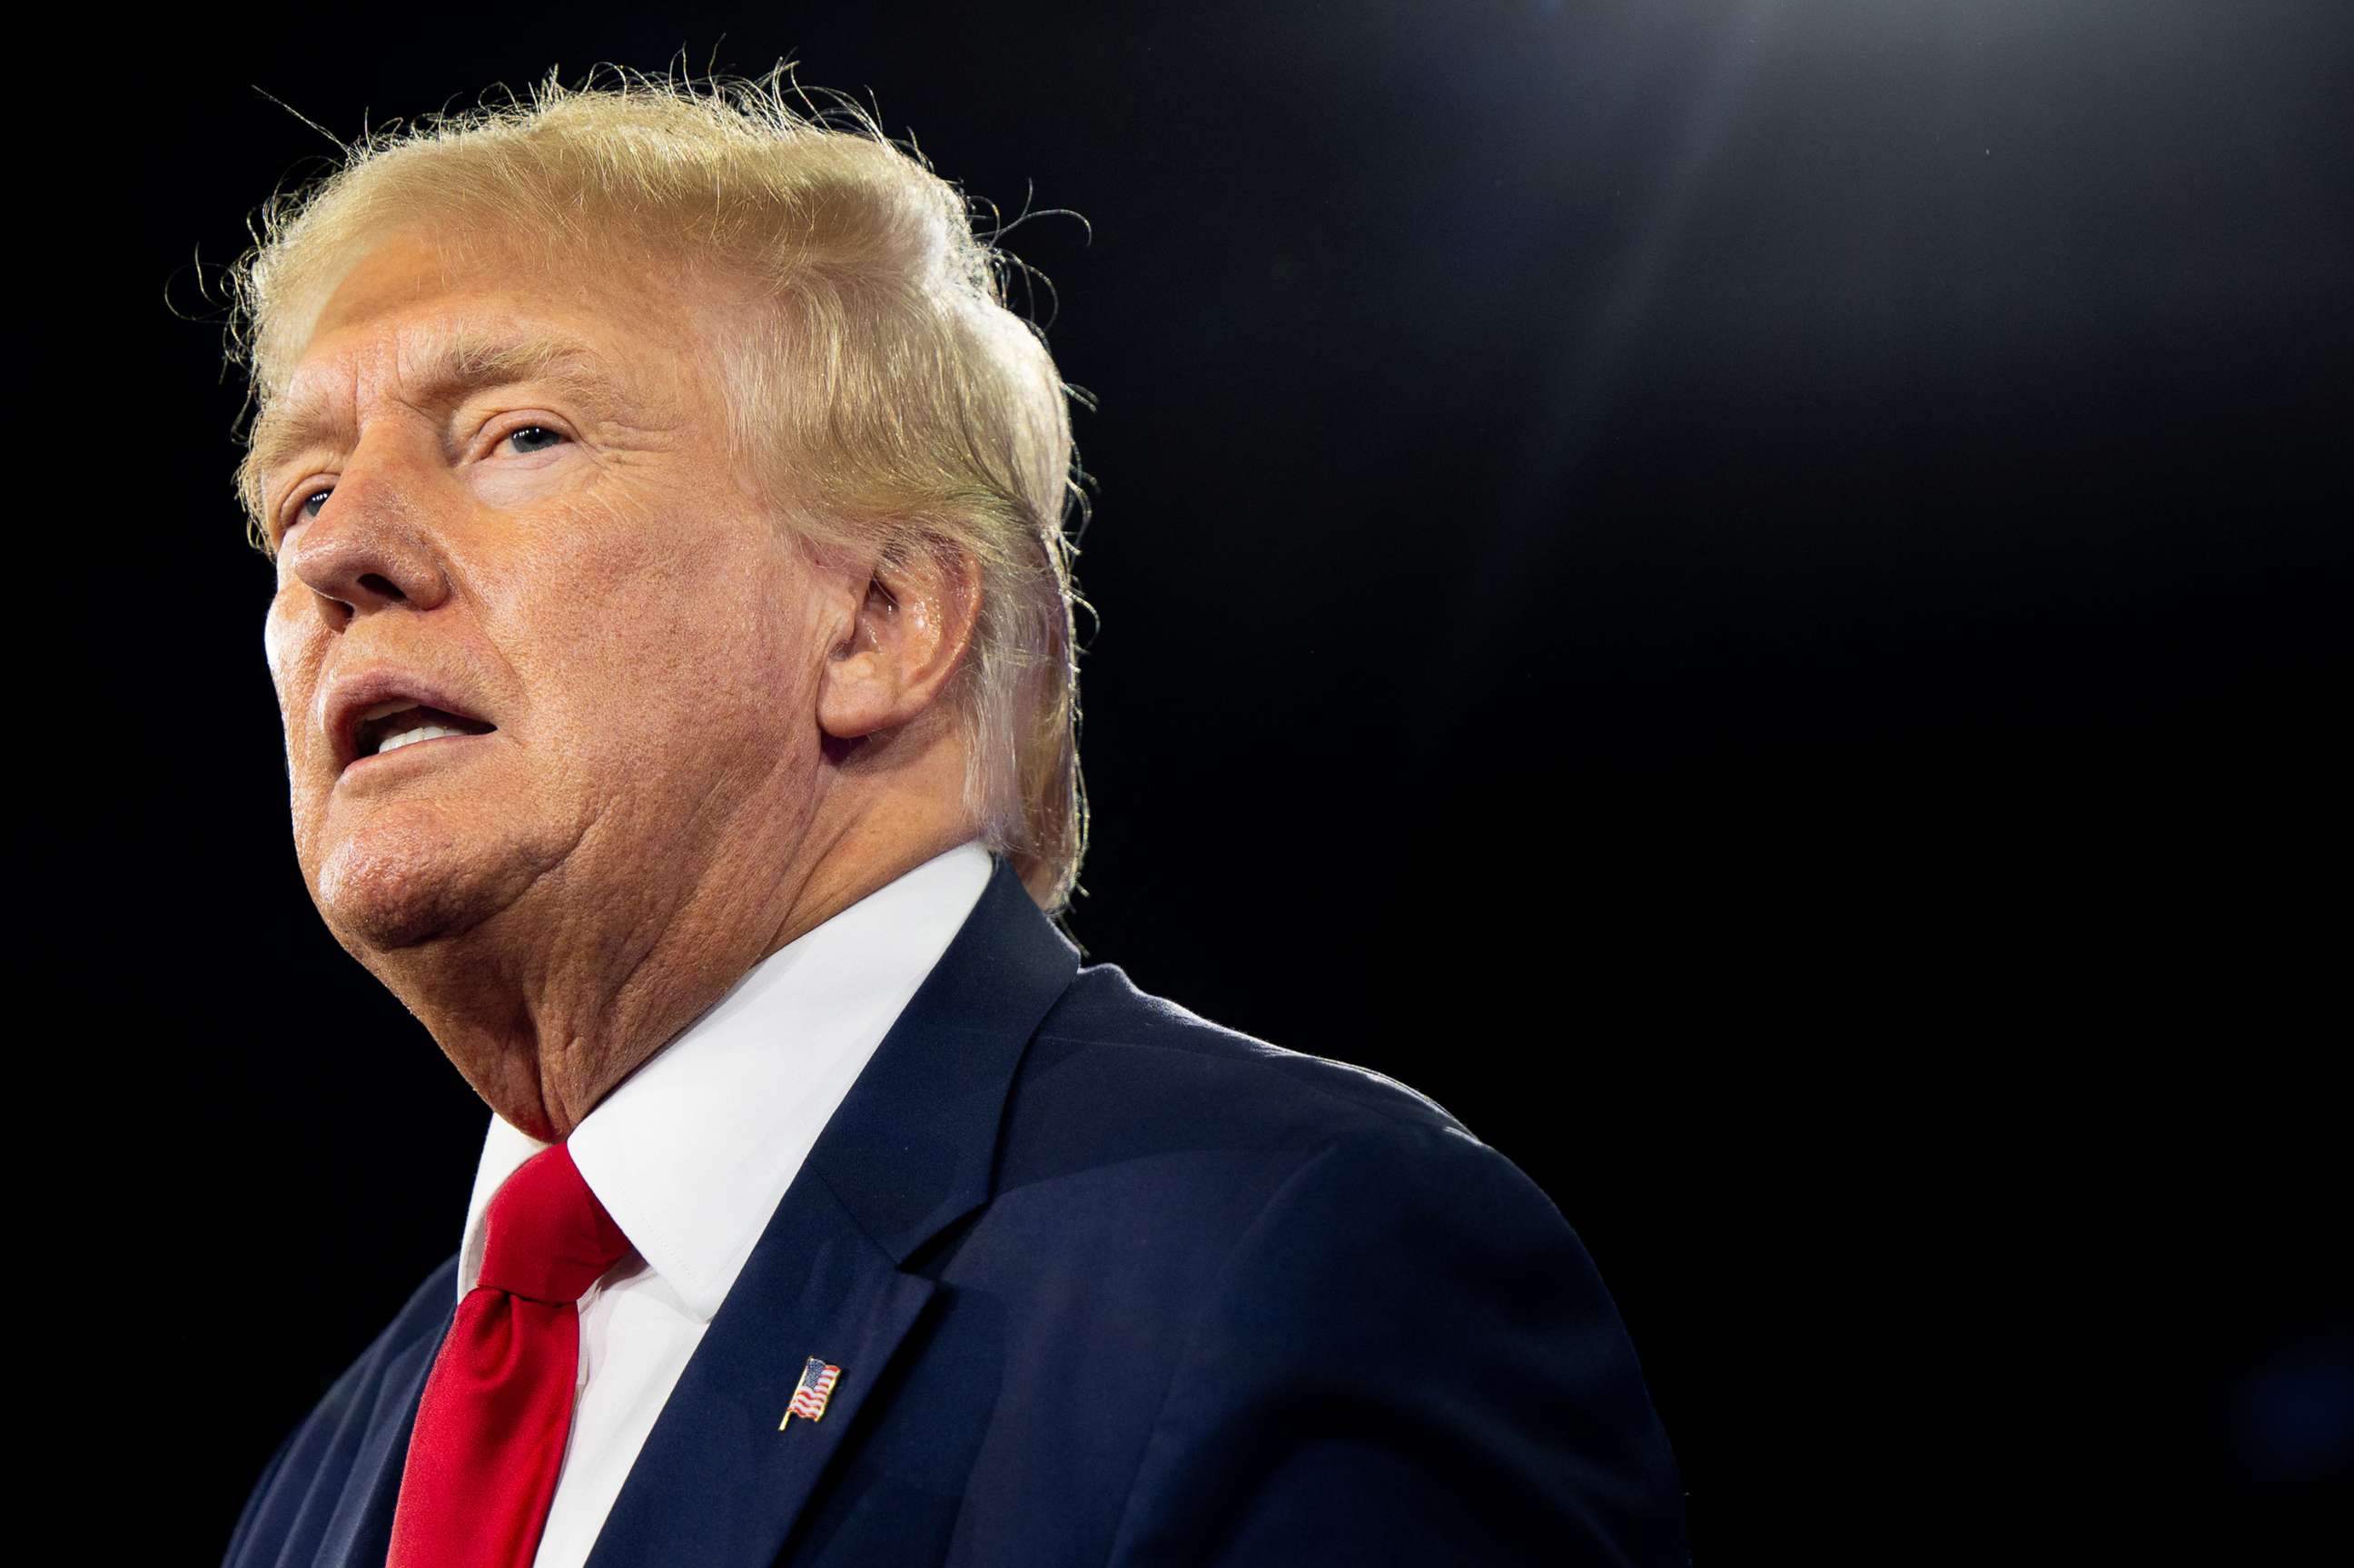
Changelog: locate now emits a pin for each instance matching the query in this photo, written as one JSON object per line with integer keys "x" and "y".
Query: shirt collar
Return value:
{"x": 693, "y": 1152}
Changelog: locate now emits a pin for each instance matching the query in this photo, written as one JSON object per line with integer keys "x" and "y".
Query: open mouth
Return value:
{"x": 389, "y": 726}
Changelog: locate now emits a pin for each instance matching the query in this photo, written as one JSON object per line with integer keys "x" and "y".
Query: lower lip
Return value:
{"x": 386, "y": 762}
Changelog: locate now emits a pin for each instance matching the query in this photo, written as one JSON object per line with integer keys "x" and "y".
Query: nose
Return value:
{"x": 371, "y": 547}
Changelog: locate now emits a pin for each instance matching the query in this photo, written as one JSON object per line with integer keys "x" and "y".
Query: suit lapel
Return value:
{"x": 911, "y": 1151}
{"x": 360, "y": 1534}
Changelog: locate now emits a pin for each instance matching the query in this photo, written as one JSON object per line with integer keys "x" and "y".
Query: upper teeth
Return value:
{"x": 422, "y": 732}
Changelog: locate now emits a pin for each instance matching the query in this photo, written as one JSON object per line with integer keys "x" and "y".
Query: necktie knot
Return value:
{"x": 547, "y": 1238}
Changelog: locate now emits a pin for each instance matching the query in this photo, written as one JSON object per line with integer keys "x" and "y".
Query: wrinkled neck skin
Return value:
{"x": 547, "y": 1003}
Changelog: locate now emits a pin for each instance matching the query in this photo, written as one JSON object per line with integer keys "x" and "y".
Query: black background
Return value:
{"x": 1750, "y": 596}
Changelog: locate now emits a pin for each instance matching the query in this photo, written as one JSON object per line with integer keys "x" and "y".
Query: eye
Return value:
{"x": 524, "y": 436}
{"x": 526, "y": 440}
{"x": 306, "y": 507}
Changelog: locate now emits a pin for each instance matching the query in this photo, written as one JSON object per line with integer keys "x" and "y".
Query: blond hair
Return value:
{"x": 883, "y": 390}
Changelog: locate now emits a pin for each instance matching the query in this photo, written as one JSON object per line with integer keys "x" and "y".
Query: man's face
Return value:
{"x": 559, "y": 553}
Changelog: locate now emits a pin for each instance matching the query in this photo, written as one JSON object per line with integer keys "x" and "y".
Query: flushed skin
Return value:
{"x": 708, "y": 740}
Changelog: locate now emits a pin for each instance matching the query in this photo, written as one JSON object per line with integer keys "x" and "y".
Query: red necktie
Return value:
{"x": 489, "y": 1433}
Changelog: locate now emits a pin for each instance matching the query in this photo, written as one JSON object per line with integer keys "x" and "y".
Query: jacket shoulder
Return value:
{"x": 1298, "y": 1246}
{"x": 1112, "y": 1065}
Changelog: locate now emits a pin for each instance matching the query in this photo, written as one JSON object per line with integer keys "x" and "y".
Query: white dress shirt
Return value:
{"x": 694, "y": 1151}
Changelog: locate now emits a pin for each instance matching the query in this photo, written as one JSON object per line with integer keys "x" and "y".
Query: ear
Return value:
{"x": 900, "y": 649}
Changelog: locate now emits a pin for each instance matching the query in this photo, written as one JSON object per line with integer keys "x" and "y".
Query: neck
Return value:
{"x": 547, "y": 1007}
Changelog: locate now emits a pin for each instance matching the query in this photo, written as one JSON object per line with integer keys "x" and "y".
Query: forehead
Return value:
{"x": 417, "y": 321}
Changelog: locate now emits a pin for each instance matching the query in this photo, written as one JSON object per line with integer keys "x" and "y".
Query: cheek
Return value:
{"x": 676, "y": 643}
{"x": 293, "y": 677}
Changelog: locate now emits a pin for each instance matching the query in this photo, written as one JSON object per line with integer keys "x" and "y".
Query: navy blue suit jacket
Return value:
{"x": 1108, "y": 1285}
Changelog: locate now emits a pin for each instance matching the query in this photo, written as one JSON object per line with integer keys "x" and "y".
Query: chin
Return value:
{"x": 387, "y": 889}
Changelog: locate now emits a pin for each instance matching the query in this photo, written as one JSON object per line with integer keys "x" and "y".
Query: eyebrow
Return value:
{"x": 468, "y": 359}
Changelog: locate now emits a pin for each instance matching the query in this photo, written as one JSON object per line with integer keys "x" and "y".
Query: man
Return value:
{"x": 673, "y": 633}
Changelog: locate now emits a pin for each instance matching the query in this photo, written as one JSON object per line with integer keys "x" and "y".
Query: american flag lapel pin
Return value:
{"x": 816, "y": 1386}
